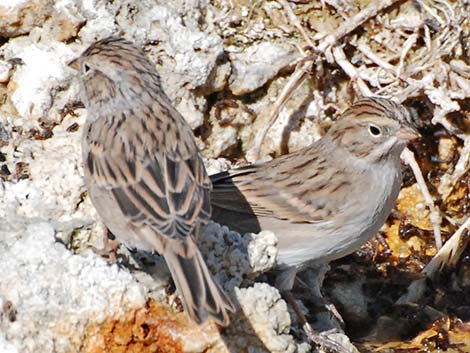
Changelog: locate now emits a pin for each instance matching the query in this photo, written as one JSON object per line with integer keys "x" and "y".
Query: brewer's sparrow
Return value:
{"x": 143, "y": 170}
{"x": 326, "y": 200}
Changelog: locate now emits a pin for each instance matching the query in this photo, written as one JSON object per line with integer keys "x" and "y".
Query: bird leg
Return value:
{"x": 313, "y": 282}
{"x": 110, "y": 247}
{"x": 284, "y": 282}
{"x": 324, "y": 343}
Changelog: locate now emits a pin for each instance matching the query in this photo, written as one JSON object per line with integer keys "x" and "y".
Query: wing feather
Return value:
{"x": 163, "y": 187}
{"x": 288, "y": 191}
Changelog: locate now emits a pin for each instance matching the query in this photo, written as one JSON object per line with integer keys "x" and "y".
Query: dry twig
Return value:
{"x": 253, "y": 154}
{"x": 434, "y": 214}
{"x": 351, "y": 24}
{"x": 350, "y": 70}
{"x": 448, "y": 181}
{"x": 295, "y": 21}
{"x": 447, "y": 255}
{"x": 347, "y": 27}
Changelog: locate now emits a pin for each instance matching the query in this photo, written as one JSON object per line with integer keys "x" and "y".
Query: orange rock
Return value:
{"x": 154, "y": 329}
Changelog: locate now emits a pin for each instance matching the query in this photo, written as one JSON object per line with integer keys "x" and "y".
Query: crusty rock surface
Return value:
{"x": 224, "y": 64}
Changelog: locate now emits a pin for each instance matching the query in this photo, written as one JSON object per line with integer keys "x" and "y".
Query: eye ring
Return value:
{"x": 374, "y": 130}
{"x": 86, "y": 68}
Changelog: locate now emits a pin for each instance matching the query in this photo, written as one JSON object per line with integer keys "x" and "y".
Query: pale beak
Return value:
{"x": 74, "y": 64}
{"x": 407, "y": 133}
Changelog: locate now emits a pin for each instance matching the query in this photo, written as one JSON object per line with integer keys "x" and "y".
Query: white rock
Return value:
{"x": 191, "y": 62}
{"x": 6, "y": 347}
{"x": 57, "y": 294}
{"x": 55, "y": 184}
{"x": 225, "y": 253}
{"x": 308, "y": 133}
{"x": 194, "y": 52}
{"x": 214, "y": 166}
{"x": 259, "y": 63}
{"x": 267, "y": 314}
{"x": 262, "y": 251}
{"x": 65, "y": 21}
{"x": 18, "y": 17}
{"x": 5, "y": 68}
{"x": 221, "y": 139}
{"x": 232, "y": 256}
{"x": 100, "y": 21}
{"x": 43, "y": 73}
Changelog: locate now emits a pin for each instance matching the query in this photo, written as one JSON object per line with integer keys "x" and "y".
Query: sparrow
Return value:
{"x": 143, "y": 170}
{"x": 326, "y": 200}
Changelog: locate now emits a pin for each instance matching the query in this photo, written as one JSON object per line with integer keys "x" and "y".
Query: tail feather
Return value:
{"x": 200, "y": 293}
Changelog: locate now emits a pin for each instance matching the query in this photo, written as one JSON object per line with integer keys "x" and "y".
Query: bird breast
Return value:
{"x": 364, "y": 209}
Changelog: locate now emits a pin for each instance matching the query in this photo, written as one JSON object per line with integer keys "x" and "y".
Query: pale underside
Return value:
{"x": 312, "y": 228}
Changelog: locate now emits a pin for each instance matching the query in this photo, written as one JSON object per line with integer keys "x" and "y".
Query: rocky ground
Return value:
{"x": 255, "y": 79}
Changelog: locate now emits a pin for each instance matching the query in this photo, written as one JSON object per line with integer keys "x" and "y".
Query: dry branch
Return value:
{"x": 325, "y": 45}
{"x": 448, "y": 181}
{"x": 447, "y": 255}
{"x": 253, "y": 154}
{"x": 434, "y": 214}
{"x": 353, "y": 23}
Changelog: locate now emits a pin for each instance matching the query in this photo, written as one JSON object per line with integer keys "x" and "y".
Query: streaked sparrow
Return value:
{"x": 326, "y": 200}
{"x": 143, "y": 170}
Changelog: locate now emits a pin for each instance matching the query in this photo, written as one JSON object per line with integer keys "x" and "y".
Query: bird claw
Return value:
{"x": 322, "y": 341}
{"x": 110, "y": 248}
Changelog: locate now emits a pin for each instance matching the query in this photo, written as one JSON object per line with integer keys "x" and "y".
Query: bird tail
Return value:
{"x": 200, "y": 293}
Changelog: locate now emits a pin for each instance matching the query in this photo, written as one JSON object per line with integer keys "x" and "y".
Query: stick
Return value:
{"x": 295, "y": 21}
{"x": 448, "y": 255}
{"x": 350, "y": 25}
{"x": 253, "y": 154}
{"x": 350, "y": 70}
{"x": 434, "y": 214}
{"x": 448, "y": 181}
{"x": 347, "y": 27}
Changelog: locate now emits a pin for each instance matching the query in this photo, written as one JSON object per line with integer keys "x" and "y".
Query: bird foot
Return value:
{"x": 324, "y": 343}
{"x": 321, "y": 340}
{"x": 110, "y": 248}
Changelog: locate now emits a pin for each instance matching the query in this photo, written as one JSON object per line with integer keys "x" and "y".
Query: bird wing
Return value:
{"x": 153, "y": 170}
{"x": 294, "y": 187}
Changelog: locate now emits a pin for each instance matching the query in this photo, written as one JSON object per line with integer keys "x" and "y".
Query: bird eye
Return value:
{"x": 86, "y": 68}
{"x": 374, "y": 130}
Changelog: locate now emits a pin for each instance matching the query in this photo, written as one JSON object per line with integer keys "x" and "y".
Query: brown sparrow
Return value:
{"x": 143, "y": 170}
{"x": 326, "y": 200}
